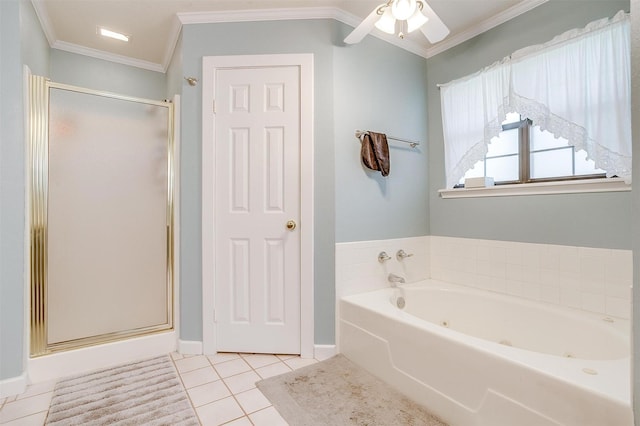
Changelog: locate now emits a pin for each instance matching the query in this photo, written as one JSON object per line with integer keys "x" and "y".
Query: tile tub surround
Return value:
{"x": 358, "y": 269}
{"x": 590, "y": 279}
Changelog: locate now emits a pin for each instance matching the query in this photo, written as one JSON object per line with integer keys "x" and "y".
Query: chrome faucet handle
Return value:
{"x": 401, "y": 254}
{"x": 383, "y": 257}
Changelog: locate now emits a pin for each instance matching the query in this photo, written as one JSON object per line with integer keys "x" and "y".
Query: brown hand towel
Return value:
{"x": 375, "y": 152}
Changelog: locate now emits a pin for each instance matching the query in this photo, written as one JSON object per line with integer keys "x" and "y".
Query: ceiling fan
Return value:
{"x": 410, "y": 14}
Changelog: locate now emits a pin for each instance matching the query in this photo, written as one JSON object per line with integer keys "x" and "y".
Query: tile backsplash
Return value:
{"x": 594, "y": 280}
{"x": 358, "y": 269}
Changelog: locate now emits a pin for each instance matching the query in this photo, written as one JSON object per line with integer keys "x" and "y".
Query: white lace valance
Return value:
{"x": 576, "y": 86}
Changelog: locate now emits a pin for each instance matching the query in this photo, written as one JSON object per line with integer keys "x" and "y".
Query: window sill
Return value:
{"x": 540, "y": 188}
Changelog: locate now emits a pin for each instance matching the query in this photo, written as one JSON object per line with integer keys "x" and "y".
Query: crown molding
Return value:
{"x": 256, "y": 15}
{"x": 483, "y": 26}
{"x": 45, "y": 22}
{"x": 112, "y": 57}
{"x": 174, "y": 35}
{"x": 54, "y": 43}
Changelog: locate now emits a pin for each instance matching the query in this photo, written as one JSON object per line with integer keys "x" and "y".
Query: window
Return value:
{"x": 577, "y": 85}
{"x": 524, "y": 153}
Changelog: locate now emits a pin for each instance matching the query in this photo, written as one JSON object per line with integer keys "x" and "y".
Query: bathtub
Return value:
{"x": 477, "y": 358}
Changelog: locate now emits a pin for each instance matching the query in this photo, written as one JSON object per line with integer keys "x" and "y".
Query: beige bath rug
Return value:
{"x": 338, "y": 392}
{"x": 148, "y": 392}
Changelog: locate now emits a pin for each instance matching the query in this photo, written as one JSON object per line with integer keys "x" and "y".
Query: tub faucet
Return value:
{"x": 393, "y": 279}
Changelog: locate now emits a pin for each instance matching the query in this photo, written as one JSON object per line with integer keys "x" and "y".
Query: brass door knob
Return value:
{"x": 291, "y": 225}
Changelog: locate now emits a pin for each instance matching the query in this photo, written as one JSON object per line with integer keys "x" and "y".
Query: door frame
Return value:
{"x": 209, "y": 66}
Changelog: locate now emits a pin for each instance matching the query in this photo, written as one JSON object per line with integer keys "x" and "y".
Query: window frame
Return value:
{"x": 571, "y": 186}
{"x": 524, "y": 127}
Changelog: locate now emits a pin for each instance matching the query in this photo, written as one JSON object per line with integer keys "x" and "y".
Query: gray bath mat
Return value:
{"x": 147, "y": 392}
{"x": 338, "y": 392}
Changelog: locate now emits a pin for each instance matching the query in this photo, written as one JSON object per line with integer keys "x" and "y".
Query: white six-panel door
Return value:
{"x": 256, "y": 258}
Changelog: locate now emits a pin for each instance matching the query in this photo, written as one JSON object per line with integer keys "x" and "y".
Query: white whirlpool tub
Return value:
{"x": 477, "y": 358}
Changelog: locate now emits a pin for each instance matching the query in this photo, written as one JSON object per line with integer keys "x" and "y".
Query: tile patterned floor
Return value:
{"x": 221, "y": 389}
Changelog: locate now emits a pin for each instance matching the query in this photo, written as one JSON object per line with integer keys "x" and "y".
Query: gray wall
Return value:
{"x": 242, "y": 39}
{"x": 372, "y": 85}
{"x": 635, "y": 97}
{"x": 98, "y": 74}
{"x": 591, "y": 220}
{"x": 354, "y": 88}
{"x": 382, "y": 89}
{"x": 21, "y": 42}
{"x": 34, "y": 44}
{"x": 395, "y": 106}
{"x": 12, "y": 199}
{"x": 175, "y": 79}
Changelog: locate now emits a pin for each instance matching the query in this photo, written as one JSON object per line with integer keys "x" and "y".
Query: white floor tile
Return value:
{"x": 242, "y": 421}
{"x": 219, "y": 412}
{"x": 242, "y": 382}
{"x": 283, "y": 357}
{"x": 210, "y": 392}
{"x": 210, "y": 395}
{"x": 231, "y": 368}
{"x": 273, "y": 370}
{"x": 267, "y": 417}
{"x": 32, "y": 420}
{"x": 176, "y": 356}
{"x": 199, "y": 377}
{"x": 25, "y": 407}
{"x": 185, "y": 365}
{"x": 260, "y": 360}
{"x": 252, "y": 400}
{"x": 298, "y": 362}
{"x": 222, "y": 357}
{"x": 37, "y": 389}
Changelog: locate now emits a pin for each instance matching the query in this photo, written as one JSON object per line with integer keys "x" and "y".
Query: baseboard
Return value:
{"x": 322, "y": 352}
{"x": 13, "y": 386}
{"x": 190, "y": 347}
{"x": 78, "y": 361}
{"x": 194, "y": 347}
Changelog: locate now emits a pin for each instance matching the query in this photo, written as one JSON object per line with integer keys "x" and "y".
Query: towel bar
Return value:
{"x": 413, "y": 144}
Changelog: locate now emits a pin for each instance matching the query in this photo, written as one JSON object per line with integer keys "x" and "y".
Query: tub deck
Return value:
{"x": 469, "y": 381}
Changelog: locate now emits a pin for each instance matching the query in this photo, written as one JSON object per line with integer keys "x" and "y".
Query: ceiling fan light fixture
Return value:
{"x": 412, "y": 15}
{"x": 387, "y": 22}
{"x": 416, "y": 20}
{"x": 403, "y": 9}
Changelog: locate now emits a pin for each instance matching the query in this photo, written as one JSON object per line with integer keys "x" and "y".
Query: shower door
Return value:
{"x": 101, "y": 216}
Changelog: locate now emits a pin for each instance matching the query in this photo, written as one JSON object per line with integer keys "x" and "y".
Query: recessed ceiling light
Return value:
{"x": 112, "y": 34}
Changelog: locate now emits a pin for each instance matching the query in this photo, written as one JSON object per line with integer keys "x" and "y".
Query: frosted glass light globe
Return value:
{"x": 386, "y": 23}
{"x": 403, "y": 9}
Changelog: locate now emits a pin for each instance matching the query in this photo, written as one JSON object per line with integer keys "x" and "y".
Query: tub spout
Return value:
{"x": 393, "y": 279}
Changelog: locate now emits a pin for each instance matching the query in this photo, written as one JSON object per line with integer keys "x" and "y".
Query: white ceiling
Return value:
{"x": 154, "y": 25}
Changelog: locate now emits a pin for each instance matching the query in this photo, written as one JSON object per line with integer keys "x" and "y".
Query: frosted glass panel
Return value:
{"x": 504, "y": 144}
{"x": 107, "y": 215}
{"x": 558, "y": 162}
{"x": 503, "y": 168}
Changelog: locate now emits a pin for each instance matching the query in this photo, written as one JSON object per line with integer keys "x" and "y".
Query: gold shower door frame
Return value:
{"x": 38, "y": 145}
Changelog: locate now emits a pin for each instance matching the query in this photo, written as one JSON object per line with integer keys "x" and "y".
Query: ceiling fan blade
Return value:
{"x": 364, "y": 27}
{"x": 434, "y": 30}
